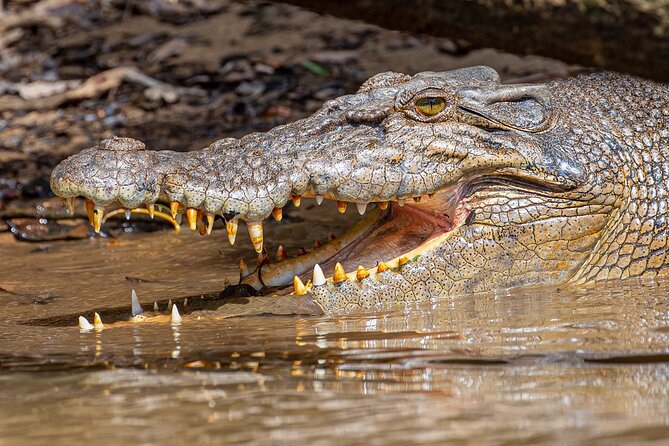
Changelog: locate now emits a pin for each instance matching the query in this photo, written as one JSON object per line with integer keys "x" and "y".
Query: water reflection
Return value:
{"x": 176, "y": 335}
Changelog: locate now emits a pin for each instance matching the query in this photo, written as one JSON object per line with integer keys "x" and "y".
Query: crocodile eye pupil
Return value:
{"x": 430, "y": 106}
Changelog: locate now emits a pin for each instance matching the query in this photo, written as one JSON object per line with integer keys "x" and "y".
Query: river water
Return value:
{"x": 553, "y": 365}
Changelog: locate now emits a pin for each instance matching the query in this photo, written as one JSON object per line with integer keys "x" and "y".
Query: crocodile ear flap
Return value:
{"x": 521, "y": 107}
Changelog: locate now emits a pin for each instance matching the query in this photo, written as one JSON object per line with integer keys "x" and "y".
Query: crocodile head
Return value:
{"x": 467, "y": 185}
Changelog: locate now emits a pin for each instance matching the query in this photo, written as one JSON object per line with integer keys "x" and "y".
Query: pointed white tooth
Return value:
{"x": 243, "y": 269}
{"x": 255, "y": 232}
{"x": 90, "y": 210}
{"x": 174, "y": 208}
{"x": 185, "y": 302}
{"x": 362, "y": 207}
{"x": 400, "y": 201}
{"x": 319, "y": 277}
{"x": 128, "y": 213}
{"x": 339, "y": 273}
{"x": 69, "y": 202}
{"x": 169, "y": 305}
{"x": 136, "y": 307}
{"x": 300, "y": 288}
{"x": 97, "y": 322}
{"x": 84, "y": 324}
{"x": 210, "y": 223}
{"x": 231, "y": 229}
{"x": 176, "y": 317}
{"x": 98, "y": 215}
{"x": 319, "y": 199}
{"x": 155, "y": 306}
{"x": 192, "y": 217}
{"x": 281, "y": 254}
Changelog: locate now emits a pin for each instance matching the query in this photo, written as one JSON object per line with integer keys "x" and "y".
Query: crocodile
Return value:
{"x": 466, "y": 184}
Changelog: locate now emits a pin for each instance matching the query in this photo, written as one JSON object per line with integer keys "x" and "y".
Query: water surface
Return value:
{"x": 535, "y": 366}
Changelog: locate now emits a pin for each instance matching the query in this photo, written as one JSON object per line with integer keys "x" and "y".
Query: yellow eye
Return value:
{"x": 430, "y": 106}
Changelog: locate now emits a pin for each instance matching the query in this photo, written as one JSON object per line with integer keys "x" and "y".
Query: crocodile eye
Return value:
{"x": 430, "y": 106}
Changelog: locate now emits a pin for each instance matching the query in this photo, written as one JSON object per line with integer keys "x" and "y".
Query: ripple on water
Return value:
{"x": 539, "y": 366}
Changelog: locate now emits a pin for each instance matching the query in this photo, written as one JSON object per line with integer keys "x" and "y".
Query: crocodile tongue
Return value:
{"x": 379, "y": 236}
{"x": 282, "y": 273}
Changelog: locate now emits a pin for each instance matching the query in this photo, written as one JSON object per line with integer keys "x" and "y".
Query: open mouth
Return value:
{"x": 388, "y": 235}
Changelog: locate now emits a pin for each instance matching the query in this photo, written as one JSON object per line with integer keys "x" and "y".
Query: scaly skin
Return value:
{"x": 531, "y": 184}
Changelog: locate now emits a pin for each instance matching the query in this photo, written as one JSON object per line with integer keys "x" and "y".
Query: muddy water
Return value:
{"x": 535, "y": 366}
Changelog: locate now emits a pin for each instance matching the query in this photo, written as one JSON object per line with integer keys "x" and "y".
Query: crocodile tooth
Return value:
{"x": 381, "y": 267}
{"x": 299, "y": 286}
{"x": 319, "y": 277}
{"x": 69, "y": 202}
{"x": 362, "y": 207}
{"x": 400, "y": 201}
{"x": 84, "y": 324}
{"x": 191, "y": 216}
{"x": 231, "y": 229}
{"x": 297, "y": 200}
{"x": 331, "y": 237}
{"x": 416, "y": 199}
{"x": 152, "y": 210}
{"x": 339, "y": 273}
{"x": 383, "y": 205}
{"x": 175, "y": 319}
{"x": 301, "y": 252}
{"x": 97, "y": 322}
{"x": 169, "y": 305}
{"x": 185, "y": 302}
{"x": 174, "y": 208}
{"x": 402, "y": 260}
{"x": 155, "y": 306}
{"x": 255, "y": 232}
{"x": 319, "y": 199}
{"x": 317, "y": 244}
{"x": 199, "y": 223}
{"x": 136, "y": 307}
{"x": 262, "y": 257}
{"x": 90, "y": 208}
{"x": 128, "y": 213}
{"x": 277, "y": 213}
{"x": 179, "y": 219}
{"x": 281, "y": 254}
{"x": 98, "y": 214}
{"x": 210, "y": 223}
{"x": 243, "y": 269}
{"x": 341, "y": 206}
{"x": 361, "y": 273}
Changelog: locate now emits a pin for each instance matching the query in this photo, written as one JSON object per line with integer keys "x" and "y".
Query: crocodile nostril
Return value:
{"x": 119, "y": 144}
